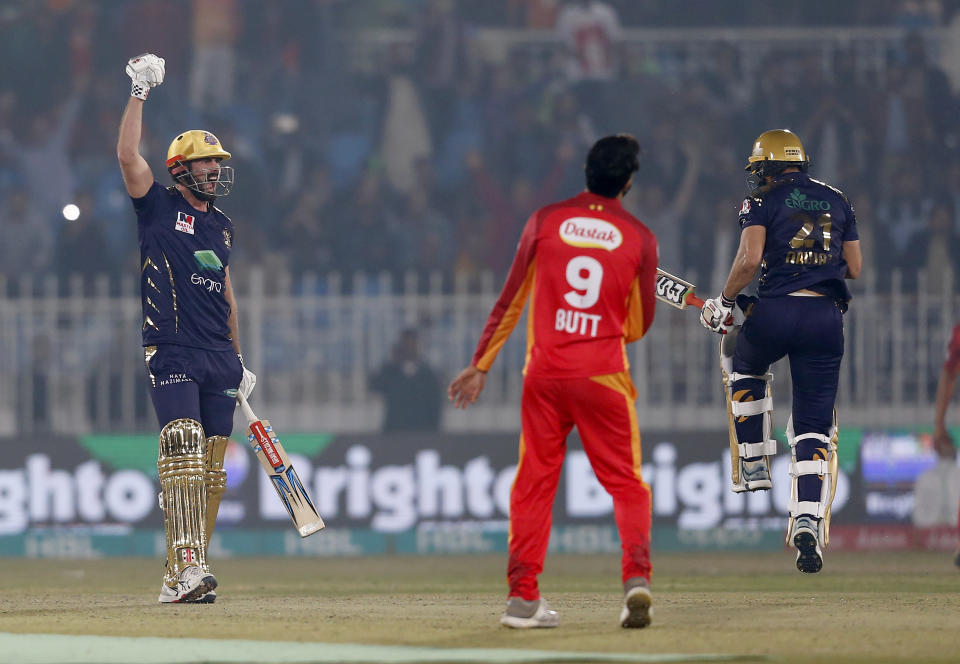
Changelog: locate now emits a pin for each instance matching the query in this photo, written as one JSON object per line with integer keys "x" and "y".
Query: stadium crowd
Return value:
{"x": 383, "y": 136}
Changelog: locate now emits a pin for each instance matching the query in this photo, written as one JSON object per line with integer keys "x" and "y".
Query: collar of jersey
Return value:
{"x": 588, "y": 195}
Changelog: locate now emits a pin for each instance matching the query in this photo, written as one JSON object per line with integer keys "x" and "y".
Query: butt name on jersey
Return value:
{"x": 577, "y": 322}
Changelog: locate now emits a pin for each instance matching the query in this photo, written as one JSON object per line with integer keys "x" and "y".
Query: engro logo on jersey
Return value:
{"x": 210, "y": 284}
{"x": 800, "y": 201}
{"x": 588, "y": 232}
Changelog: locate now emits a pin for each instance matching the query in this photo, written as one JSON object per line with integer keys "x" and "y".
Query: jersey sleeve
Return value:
{"x": 641, "y": 300}
{"x": 952, "y": 363}
{"x": 146, "y": 204}
{"x": 509, "y": 306}
{"x": 753, "y": 213}
{"x": 851, "y": 234}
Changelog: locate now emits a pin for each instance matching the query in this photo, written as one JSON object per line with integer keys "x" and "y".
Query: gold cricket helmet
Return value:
{"x": 199, "y": 144}
{"x": 779, "y": 145}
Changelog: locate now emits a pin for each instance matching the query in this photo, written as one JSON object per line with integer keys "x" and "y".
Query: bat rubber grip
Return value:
{"x": 694, "y": 301}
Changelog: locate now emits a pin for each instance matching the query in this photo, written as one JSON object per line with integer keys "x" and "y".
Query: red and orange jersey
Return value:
{"x": 588, "y": 268}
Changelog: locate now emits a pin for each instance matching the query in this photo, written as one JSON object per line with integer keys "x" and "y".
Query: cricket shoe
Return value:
{"x": 193, "y": 586}
{"x": 524, "y": 614}
{"x": 804, "y": 536}
{"x": 637, "y": 611}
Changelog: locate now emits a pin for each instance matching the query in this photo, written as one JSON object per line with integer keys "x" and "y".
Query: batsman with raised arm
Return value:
{"x": 189, "y": 327}
{"x": 802, "y": 235}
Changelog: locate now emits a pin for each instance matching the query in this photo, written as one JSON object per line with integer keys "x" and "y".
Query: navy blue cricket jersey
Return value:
{"x": 807, "y": 222}
{"x": 183, "y": 258}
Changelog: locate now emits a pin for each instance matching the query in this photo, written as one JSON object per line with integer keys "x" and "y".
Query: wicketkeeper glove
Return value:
{"x": 146, "y": 71}
{"x": 248, "y": 381}
{"x": 717, "y": 314}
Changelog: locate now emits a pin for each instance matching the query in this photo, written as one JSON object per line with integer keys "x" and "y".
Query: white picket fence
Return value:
{"x": 71, "y": 362}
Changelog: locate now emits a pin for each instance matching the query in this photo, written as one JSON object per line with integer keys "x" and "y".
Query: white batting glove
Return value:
{"x": 146, "y": 71}
{"x": 717, "y": 314}
{"x": 248, "y": 381}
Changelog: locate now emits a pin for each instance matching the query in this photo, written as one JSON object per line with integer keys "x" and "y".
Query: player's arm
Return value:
{"x": 641, "y": 302}
{"x": 854, "y": 258}
{"x": 716, "y": 314}
{"x": 748, "y": 258}
{"x": 137, "y": 175}
{"x": 467, "y": 386}
{"x": 145, "y": 71}
{"x": 249, "y": 379}
{"x": 232, "y": 319}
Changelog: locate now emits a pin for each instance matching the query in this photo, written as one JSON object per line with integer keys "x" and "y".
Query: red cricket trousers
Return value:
{"x": 602, "y": 409}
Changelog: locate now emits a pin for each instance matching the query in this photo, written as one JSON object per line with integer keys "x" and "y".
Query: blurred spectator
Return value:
{"x": 406, "y": 136}
{"x": 42, "y": 153}
{"x": 26, "y": 243}
{"x": 936, "y": 493}
{"x": 666, "y": 216}
{"x": 306, "y": 237}
{"x": 439, "y": 62}
{"x": 532, "y": 14}
{"x": 724, "y": 240}
{"x": 411, "y": 392}
{"x": 938, "y": 102}
{"x": 216, "y": 26}
{"x": 404, "y": 87}
{"x": 951, "y": 188}
{"x": 933, "y": 250}
{"x": 902, "y": 212}
{"x": 364, "y": 239}
{"x": 832, "y": 128}
{"x": 426, "y": 241}
{"x": 81, "y": 247}
{"x": 507, "y": 211}
{"x": 590, "y": 31}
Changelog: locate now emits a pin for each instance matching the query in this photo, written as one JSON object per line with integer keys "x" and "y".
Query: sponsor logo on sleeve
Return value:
{"x": 745, "y": 208}
{"x": 185, "y": 223}
{"x": 589, "y": 232}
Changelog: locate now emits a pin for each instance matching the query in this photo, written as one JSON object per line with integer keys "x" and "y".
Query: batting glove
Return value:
{"x": 248, "y": 381}
{"x": 717, "y": 314}
{"x": 146, "y": 71}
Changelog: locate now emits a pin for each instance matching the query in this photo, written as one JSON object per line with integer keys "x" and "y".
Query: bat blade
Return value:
{"x": 275, "y": 461}
{"x": 675, "y": 291}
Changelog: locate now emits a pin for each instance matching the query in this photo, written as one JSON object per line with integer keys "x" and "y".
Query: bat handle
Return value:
{"x": 694, "y": 301}
{"x": 245, "y": 407}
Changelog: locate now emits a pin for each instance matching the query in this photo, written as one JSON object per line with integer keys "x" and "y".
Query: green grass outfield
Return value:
{"x": 885, "y": 607}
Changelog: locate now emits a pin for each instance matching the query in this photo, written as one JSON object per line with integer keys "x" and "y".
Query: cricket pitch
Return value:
{"x": 881, "y": 607}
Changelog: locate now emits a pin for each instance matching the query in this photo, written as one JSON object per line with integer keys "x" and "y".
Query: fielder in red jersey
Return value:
{"x": 588, "y": 268}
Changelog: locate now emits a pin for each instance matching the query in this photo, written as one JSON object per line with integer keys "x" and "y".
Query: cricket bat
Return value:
{"x": 675, "y": 291}
{"x": 263, "y": 439}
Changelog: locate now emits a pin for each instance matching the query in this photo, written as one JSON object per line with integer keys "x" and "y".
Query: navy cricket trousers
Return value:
{"x": 193, "y": 383}
{"x": 809, "y": 331}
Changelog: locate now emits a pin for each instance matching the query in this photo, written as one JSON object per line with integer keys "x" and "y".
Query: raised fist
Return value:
{"x": 146, "y": 71}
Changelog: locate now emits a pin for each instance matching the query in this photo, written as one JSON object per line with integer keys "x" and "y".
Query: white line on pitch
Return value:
{"x": 73, "y": 649}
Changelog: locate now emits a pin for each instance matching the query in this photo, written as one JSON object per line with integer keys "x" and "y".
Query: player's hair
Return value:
{"x": 610, "y": 163}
